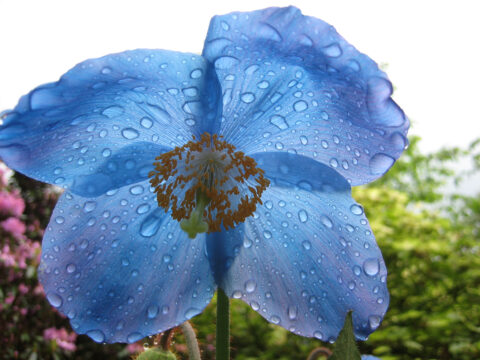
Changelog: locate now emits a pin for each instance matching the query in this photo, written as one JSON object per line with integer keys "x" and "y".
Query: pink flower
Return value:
{"x": 23, "y": 289}
{"x": 14, "y": 226}
{"x": 11, "y": 204}
{"x": 10, "y": 298}
{"x": 134, "y": 348}
{"x": 62, "y": 337}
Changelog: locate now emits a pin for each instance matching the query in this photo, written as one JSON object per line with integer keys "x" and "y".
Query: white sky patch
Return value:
{"x": 431, "y": 47}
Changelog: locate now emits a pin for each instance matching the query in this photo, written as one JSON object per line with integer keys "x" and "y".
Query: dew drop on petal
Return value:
{"x": 302, "y": 216}
{"x": 300, "y": 106}
{"x": 146, "y": 123}
{"x": 248, "y": 97}
{"x": 292, "y": 312}
{"x": 130, "y": 133}
{"x": 134, "y": 337}
{"x": 332, "y": 50}
{"x": 356, "y": 209}
{"x": 55, "y": 299}
{"x": 325, "y": 220}
{"x": 71, "y": 268}
{"x": 195, "y": 74}
{"x": 374, "y": 321}
{"x": 380, "y": 163}
{"x": 191, "y": 313}
{"x": 279, "y": 122}
{"x": 250, "y": 286}
{"x": 152, "y": 311}
{"x": 371, "y": 267}
{"x": 96, "y": 335}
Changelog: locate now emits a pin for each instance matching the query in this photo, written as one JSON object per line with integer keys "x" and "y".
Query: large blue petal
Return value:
{"x": 307, "y": 255}
{"x": 121, "y": 268}
{"x": 290, "y": 83}
{"x": 102, "y": 124}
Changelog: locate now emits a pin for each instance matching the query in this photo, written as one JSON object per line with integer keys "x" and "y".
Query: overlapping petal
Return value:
{"x": 121, "y": 268}
{"x": 290, "y": 83}
{"x": 102, "y": 124}
{"x": 307, "y": 256}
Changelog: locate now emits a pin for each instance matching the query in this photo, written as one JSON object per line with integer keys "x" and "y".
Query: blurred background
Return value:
{"x": 425, "y": 212}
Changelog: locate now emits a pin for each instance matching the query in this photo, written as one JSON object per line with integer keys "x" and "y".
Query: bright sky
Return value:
{"x": 431, "y": 47}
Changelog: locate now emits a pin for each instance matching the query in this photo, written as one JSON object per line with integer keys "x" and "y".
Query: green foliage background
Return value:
{"x": 430, "y": 243}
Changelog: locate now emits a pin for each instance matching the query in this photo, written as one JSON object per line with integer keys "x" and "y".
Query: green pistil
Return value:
{"x": 195, "y": 224}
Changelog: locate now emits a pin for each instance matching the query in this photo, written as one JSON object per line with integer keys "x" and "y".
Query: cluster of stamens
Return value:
{"x": 208, "y": 181}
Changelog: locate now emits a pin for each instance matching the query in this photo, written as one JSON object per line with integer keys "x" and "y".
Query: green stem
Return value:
{"x": 191, "y": 340}
{"x": 223, "y": 326}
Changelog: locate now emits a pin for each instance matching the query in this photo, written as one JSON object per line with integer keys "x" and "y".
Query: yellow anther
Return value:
{"x": 231, "y": 181}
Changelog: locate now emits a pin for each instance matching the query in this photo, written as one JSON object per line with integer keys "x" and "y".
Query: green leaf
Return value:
{"x": 156, "y": 354}
{"x": 345, "y": 346}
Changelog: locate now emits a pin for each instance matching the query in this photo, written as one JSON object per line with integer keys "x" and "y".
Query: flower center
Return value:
{"x": 207, "y": 184}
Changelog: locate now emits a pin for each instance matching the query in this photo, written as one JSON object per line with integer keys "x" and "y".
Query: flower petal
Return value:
{"x": 291, "y": 83}
{"x": 104, "y": 121}
{"x": 307, "y": 256}
{"x": 121, "y": 268}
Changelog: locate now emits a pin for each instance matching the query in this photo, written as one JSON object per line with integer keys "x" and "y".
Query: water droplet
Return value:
{"x": 225, "y": 26}
{"x": 303, "y": 140}
{"x": 71, "y": 268}
{"x": 134, "y": 337}
{"x": 300, "y": 106}
{"x": 113, "y": 111}
{"x": 332, "y": 50}
{"x": 267, "y": 234}
{"x": 96, "y": 335}
{"x": 374, "y": 321}
{"x": 317, "y": 334}
{"x": 165, "y": 309}
{"x": 325, "y": 220}
{"x": 191, "y": 91}
{"x": 106, "y": 152}
{"x": 247, "y": 98}
{"x": 333, "y": 162}
{"x": 54, "y": 299}
{"x": 302, "y": 216}
{"x": 324, "y": 115}
{"x": 143, "y": 208}
{"x": 275, "y": 319}
{"x": 152, "y": 311}
{"x": 150, "y": 225}
{"x": 356, "y": 209}
{"x": 250, "y": 286}
{"x": 59, "y": 219}
{"x": 89, "y": 206}
{"x": 225, "y": 62}
{"x": 292, "y": 312}
{"x": 146, "y": 123}
{"x": 371, "y": 267}
{"x": 263, "y": 84}
{"x": 106, "y": 70}
{"x": 136, "y": 190}
{"x": 255, "y": 306}
{"x": 195, "y": 74}
{"x": 380, "y": 163}
{"x": 191, "y": 313}
{"x": 279, "y": 122}
{"x": 307, "y": 245}
{"x": 130, "y": 133}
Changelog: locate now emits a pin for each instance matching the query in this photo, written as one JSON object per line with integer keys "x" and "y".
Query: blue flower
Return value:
{"x": 300, "y": 114}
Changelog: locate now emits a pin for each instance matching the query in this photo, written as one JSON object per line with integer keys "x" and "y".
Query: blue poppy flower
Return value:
{"x": 289, "y": 114}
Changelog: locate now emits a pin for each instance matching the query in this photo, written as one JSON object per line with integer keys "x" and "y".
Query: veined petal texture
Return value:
{"x": 102, "y": 124}
{"x": 307, "y": 256}
{"x": 290, "y": 83}
{"x": 121, "y": 268}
